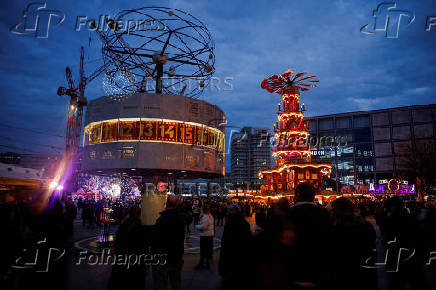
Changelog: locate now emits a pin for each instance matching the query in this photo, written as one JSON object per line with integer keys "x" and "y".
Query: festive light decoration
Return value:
{"x": 291, "y": 148}
{"x": 116, "y": 190}
{"x": 393, "y": 185}
{"x": 108, "y": 186}
{"x": 285, "y": 83}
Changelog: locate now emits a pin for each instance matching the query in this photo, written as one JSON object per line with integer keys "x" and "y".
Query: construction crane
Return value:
{"x": 77, "y": 102}
{"x": 77, "y": 97}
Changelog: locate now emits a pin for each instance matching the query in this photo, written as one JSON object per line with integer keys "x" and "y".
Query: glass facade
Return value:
{"x": 362, "y": 135}
{"x": 365, "y": 165}
{"x": 361, "y": 121}
{"x": 367, "y": 147}
{"x": 345, "y": 151}
{"x": 343, "y": 123}
{"x": 364, "y": 150}
{"x": 326, "y": 124}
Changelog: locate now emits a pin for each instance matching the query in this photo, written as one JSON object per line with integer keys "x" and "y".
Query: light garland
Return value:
{"x": 283, "y": 115}
{"x": 288, "y": 152}
{"x": 286, "y": 96}
{"x": 278, "y": 134}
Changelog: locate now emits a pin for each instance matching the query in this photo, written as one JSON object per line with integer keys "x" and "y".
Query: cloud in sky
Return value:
{"x": 253, "y": 39}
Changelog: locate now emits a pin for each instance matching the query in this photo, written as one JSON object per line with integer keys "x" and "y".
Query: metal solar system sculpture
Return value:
{"x": 156, "y": 50}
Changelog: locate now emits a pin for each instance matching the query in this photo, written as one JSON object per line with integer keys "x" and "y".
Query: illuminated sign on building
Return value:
{"x": 318, "y": 152}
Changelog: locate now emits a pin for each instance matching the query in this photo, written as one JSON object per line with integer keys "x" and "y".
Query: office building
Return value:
{"x": 372, "y": 146}
{"x": 250, "y": 152}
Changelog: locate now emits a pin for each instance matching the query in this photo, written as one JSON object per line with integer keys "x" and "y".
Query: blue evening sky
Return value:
{"x": 253, "y": 39}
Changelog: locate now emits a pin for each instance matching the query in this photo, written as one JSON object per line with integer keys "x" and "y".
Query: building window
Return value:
{"x": 425, "y": 146}
{"x": 312, "y": 125}
{"x": 365, "y": 165}
{"x": 423, "y": 131}
{"x": 365, "y": 178}
{"x": 345, "y": 165}
{"x": 384, "y": 164}
{"x": 364, "y": 150}
{"x": 343, "y": 123}
{"x": 382, "y": 149}
{"x": 381, "y": 133}
{"x": 347, "y": 179}
{"x": 326, "y": 124}
{"x": 345, "y": 151}
{"x": 362, "y": 135}
{"x": 399, "y": 117}
{"x": 423, "y": 115}
{"x": 401, "y": 133}
{"x": 361, "y": 121}
{"x": 402, "y": 148}
{"x": 344, "y": 138}
{"x": 380, "y": 119}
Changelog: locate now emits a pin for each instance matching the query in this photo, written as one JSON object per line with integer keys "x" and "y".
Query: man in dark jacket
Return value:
{"x": 236, "y": 248}
{"x": 169, "y": 241}
{"x": 313, "y": 230}
{"x": 130, "y": 240}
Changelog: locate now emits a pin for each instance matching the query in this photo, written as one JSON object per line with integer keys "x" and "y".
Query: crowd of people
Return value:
{"x": 273, "y": 244}
{"x": 300, "y": 244}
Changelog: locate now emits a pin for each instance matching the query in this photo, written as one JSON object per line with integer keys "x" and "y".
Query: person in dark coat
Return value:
{"x": 274, "y": 245}
{"x": 353, "y": 243}
{"x": 401, "y": 230}
{"x": 220, "y": 213}
{"x": 236, "y": 246}
{"x": 129, "y": 240}
{"x": 169, "y": 241}
{"x": 85, "y": 213}
{"x": 312, "y": 226}
{"x": 187, "y": 211}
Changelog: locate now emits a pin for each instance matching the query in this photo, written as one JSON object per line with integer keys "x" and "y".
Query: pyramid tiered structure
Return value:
{"x": 291, "y": 148}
